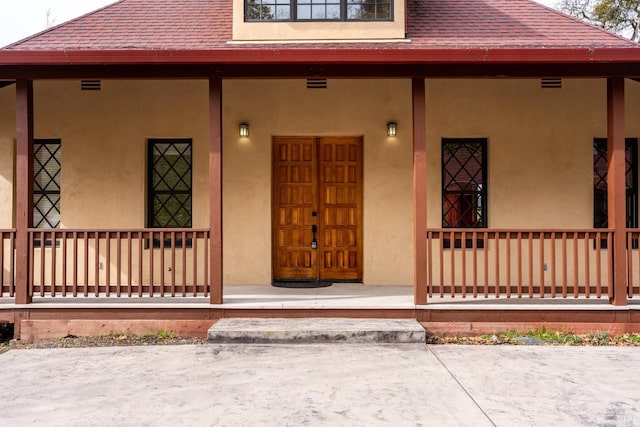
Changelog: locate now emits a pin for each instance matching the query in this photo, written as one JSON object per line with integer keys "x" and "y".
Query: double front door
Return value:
{"x": 317, "y": 208}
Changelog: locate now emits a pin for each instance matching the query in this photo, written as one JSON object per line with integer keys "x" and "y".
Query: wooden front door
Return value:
{"x": 317, "y": 208}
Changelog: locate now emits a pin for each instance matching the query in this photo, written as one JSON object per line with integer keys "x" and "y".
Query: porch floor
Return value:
{"x": 337, "y": 296}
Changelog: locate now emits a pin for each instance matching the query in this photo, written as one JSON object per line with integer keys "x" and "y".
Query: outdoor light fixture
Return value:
{"x": 244, "y": 130}
{"x": 392, "y": 129}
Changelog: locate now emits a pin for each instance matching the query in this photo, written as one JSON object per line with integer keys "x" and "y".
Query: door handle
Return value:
{"x": 314, "y": 242}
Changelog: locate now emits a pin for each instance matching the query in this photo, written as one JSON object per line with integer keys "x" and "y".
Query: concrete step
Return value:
{"x": 316, "y": 330}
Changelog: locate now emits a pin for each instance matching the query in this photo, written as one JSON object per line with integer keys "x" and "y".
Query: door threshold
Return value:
{"x": 302, "y": 284}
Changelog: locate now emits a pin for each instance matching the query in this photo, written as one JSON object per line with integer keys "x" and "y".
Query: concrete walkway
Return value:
{"x": 325, "y": 385}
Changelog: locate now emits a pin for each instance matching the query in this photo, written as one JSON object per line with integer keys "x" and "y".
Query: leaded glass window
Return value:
{"x": 46, "y": 183}
{"x": 318, "y": 10}
{"x": 464, "y": 183}
{"x": 600, "y": 215}
{"x": 170, "y": 178}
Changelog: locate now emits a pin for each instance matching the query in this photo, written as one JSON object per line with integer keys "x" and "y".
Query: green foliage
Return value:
{"x": 600, "y": 338}
{"x": 542, "y": 336}
{"x": 162, "y": 334}
{"x": 618, "y": 16}
{"x": 628, "y": 338}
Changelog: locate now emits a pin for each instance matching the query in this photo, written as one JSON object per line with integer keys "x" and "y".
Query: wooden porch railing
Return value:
{"x": 7, "y": 262}
{"x": 633, "y": 262}
{"x": 519, "y": 263}
{"x": 106, "y": 263}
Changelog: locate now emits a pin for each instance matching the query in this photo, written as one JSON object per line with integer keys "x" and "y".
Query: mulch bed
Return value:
{"x": 539, "y": 337}
{"x": 70, "y": 341}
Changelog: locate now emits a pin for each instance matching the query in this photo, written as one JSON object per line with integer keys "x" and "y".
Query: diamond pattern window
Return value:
{"x": 46, "y": 183}
{"x": 600, "y": 216}
{"x": 318, "y": 10}
{"x": 464, "y": 183}
{"x": 170, "y": 178}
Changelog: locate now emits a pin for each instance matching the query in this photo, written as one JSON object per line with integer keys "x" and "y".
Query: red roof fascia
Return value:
{"x": 275, "y": 55}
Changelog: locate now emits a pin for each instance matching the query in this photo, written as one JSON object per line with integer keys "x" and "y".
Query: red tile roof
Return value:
{"x": 502, "y": 23}
{"x": 432, "y": 24}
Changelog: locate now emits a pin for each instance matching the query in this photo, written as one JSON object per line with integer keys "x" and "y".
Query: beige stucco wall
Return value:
{"x": 348, "y": 31}
{"x": 540, "y": 164}
{"x": 539, "y": 146}
{"x": 346, "y": 107}
{"x": 539, "y": 153}
{"x": 104, "y": 137}
{"x": 7, "y": 143}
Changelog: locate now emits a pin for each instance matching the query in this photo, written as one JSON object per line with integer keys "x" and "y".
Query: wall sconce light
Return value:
{"x": 392, "y": 129}
{"x": 244, "y": 130}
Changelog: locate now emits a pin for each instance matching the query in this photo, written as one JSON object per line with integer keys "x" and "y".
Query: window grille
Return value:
{"x": 318, "y": 10}
{"x": 464, "y": 183}
{"x": 170, "y": 180}
{"x": 46, "y": 183}
{"x": 600, "y": 213}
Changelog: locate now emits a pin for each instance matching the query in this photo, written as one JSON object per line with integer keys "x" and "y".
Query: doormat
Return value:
{"x": 303, "y": 284}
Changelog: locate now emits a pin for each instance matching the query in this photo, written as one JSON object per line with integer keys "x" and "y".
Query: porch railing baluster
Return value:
{"x": 474, "y": 245}
{"x": 587, "y": 261}
{"x": 184, "y": 263}
{"x": 530, "y": 254}
{"x": 541, "y": 280}
{"x": 610, "y": 264}
{"x": 2, "y": 283}
{"x": 598, "y": 264}
{"x": 576, "y": 280}
{"x": 463, "y": 248}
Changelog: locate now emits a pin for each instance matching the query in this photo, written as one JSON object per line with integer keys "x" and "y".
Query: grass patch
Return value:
{"x": 541, "y": 336}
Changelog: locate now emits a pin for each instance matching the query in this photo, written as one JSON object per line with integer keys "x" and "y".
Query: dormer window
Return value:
{"x": 318, "y": 10}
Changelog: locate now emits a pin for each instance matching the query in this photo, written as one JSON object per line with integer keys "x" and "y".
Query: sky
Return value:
{"x": 22, "y": 18}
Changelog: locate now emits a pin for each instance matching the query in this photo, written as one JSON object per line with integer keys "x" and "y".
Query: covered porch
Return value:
{"x": 537, "y": 271}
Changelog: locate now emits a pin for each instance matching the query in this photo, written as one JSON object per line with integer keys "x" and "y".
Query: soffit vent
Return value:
{"x": 551, "y": 83}
{"x": 316, "y": 83}
{"x": 90, "y": 84}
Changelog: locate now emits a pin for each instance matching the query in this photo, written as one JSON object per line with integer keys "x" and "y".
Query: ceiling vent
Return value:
{"x": 551, "y": 83}
{"x": 316, "y": 83}
{"x": 90, "y": 84}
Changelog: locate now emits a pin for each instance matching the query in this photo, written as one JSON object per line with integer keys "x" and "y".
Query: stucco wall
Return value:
{"x": 7, "y": 143}
{"x": 346, "y": 107}
{"x": 104, "y": 136}
{"x": 539, "y": 153}
{"x": 540, "y": 160}
{"x": 325, "y": 30}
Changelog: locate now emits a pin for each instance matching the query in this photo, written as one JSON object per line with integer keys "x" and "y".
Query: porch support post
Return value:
{"x": 24, "y": 186}
{"x": 419, "y": 191}
{"x": 616, "y": 186}
{"x": 215, "y": 190}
